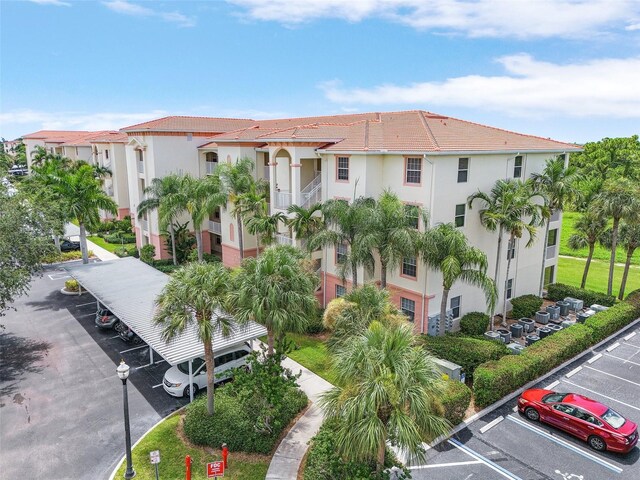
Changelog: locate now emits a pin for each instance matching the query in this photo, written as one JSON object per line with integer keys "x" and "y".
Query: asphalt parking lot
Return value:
{"x": 504, "y": 444}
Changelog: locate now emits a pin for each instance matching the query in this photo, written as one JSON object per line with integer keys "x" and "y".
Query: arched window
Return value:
{"x": 211, "y": 157}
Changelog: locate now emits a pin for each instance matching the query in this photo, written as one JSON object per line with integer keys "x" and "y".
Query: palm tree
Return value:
{"x": 507, "y": 206}
{"x": 84, "y": 198}
{"x": 392, "y": 234}
{"x": 388, "y": 389}
{"x": 305, "y": 222}
{"x": 588, "y": 230}
{"x": 265, "y": 227}
{"x": 630, "y": 240}
{"x": 619, "y": 200}
{"x": 446, "y": 250}
{"x": 196, "y": 295}
{"x": 558, "y": 185}
{"x": 346, "y": 225}
{"x": 275, "y": 290}
{"x": 235, "y": 180}
{"x": 164, "y": 195}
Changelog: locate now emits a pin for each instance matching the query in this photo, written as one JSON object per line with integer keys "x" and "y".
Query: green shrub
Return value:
{"x": 525, "y": 306}
{"x": 559, "y": 291}
{"x": 71, "y": 285}
{"x": 119, "y": 237}
{"x": 131, "y": 251}
{"x": 315, "y": 325}
{"x": 456, "y": 401}
{"x": 323, "y": 463}
{"x": 211, "y": 258}
{"x": 468, "y": 352}
{"x": 474, "y": 323}
{"x": 64, "y": 256}
{"x": 605, "y": 323}
{"x": 166, "y": 268}
{"x": 147, "y": 252}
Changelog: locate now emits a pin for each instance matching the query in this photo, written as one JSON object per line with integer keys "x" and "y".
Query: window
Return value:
{"x": 463, "y": 170}
{"x": 517, "y": 167}
{"x": 409, "y": 267}
{"x": 413, "y": 215}
{"x": 552, "y": 238}
{"x": 413, "y": 170}
{"x": 139, "y": 154}
{"x": 459, "y": 219}
{"x": 223, "y": 359}
{"x": 240, "y": 354}
{"x": 455, "y": 306}
{"x": 511, "y": 249}
{"x": 106, "y": 154}
{"x": 549, "y": 274}
{"x": 509, "y": 287}
{"x": 341, "y": 291}
{"x": 568, "y": 409}
{"x": 408, "y": 307}
{"x": 554, "y": 397}
{"x": 211, "y": 157}
{"x": 343, "y": 168}
{"x": 341, "y": 253}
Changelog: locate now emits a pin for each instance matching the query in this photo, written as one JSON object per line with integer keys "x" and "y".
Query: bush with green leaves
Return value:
{"x": 167, "y": 268}
{"x": 71, "y": 285}
{"x": 610, "y": 321}
{"x": 455, "y": 401}
{"x": 64, "y": 256}
{"x": 560, "y": 291}
{"x": 474, "y": 323}
{"x": 323, "y": 463}
{"x": 525, "y": 306}
{"x": 468, "y": 352}
{"x": 185, "y": 241}
{"x": 119, "y": 237}
{"x": 131, "y": 251}
{"x": 252, "y": 411}
{"x": 147, "y": 252}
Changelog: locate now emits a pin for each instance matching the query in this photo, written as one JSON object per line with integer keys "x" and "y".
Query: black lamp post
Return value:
{"x": 123, "y": 373}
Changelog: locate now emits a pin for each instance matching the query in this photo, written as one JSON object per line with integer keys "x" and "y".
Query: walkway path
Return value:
{"x": 72, "y": 230}
{"x": 288, "y": 457}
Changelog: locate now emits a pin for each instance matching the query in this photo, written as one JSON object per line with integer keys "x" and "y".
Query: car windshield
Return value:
{"x": 613, "y": 418}
{"x": 184, "y": 366}
{"x": 554, "y": 397}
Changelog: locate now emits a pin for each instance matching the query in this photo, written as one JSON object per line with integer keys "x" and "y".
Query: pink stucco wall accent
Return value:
{"x": 123, "y": 212}
{"x": 231, "y": 255}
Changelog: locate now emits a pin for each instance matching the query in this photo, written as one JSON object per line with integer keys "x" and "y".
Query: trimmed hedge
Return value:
{"x": 455, "y": 401}
{"x": 525, "y": 306}
{"x": 468, "y": 352}
{"x": 559, "y": 291}
{"x": 64, "y": 256}
{"x": 610, "y": 321}
{"x": 120, "y": 237}
{"x": 474, "y": 323}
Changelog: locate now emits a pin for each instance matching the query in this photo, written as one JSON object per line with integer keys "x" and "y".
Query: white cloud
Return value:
{"x": 480, "y": 18}
{"x": 127, "y": 8}
{"x": 35, "y": 120}
{"x": 635, "y": 26}
{"x": 55, "y": 3}
{"x": 597, "y": 88}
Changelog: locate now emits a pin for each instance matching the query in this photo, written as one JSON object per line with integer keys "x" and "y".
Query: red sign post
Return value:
{"x": 215, "y": 469}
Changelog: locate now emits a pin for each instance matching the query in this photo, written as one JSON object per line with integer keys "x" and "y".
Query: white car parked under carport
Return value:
{"x": 176, "y": 379}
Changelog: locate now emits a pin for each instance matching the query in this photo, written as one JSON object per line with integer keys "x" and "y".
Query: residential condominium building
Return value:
{"x": 429, "y": 160}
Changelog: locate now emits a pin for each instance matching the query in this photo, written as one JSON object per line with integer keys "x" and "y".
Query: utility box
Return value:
{"x": 574, "y": 304}
{"x": 452, "y": 370}
{"x": 515, "y": 348}
{"x": 598, "y": 308}
{"x": 554, "y": 312}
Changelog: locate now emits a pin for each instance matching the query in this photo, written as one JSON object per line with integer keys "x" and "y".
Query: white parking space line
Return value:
{"x": 85, "y": 304}
{"x": 602, "y": 395}
{"x": 631, "y": 345}
{"x": 564, "y": 444}
{"x": 473, "y": 454}
{"x": 87, "y": 315}
{"x": 58, "y": 276}
{"x": 593, "y": 359}
{"x": 150, "y": 364}
{"x": 440, "y": 465}
{"x": 631, "y": 335}
{"x": 612, "y": 375}
{"x": 135, "y": 348}
{"x": 115, "y": 336}
{"x": 156, "y": 386}
{"x": 552, "y": 385}
{"x": 613, "y": 347}
{"x": 624, "y": 360}
{"x": 573, "y": 372}
{"x": 491, "y": 424}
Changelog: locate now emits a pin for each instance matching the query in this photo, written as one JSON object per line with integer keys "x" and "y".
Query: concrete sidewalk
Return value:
{"x": 72, "y": 230}
{"x": 286, "y": 461}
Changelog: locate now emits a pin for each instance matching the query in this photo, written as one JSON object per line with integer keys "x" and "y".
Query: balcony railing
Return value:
{"x": 140, "y": 167}
{"x": 283, "y": 239}
{"x": 211, "y": 166}
{"x": 551, "y": 252}
{"x": 312, "y": 193}
{"x": 215, "y": 227}
{"x": 144, "y": 225}
{"x": 283, "y": 200}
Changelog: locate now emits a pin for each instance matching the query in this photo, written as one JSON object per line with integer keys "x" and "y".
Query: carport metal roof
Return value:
{"x": 129, "y": 287}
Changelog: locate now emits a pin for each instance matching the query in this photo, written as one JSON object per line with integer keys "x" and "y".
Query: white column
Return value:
{"x": 295, "y": 183}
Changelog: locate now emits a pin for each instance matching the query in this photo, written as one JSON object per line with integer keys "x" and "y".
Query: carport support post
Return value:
{"x": 190, "y": 380}
{"x": 150, "y": 355}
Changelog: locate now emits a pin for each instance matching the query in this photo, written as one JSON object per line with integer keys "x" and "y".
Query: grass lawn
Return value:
{"x": 312, "y": 353}
{"x": 600, "y": 253}
{"x": 111, "y": 247}
{"x": 172, "y": 453}
{"x": 570, "y": 272}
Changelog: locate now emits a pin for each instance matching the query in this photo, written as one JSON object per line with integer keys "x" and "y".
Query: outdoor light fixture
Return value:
{"x": 123, "y": 373}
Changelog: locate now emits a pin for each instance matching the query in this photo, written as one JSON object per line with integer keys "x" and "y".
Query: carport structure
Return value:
{"x": 129, "y": 288}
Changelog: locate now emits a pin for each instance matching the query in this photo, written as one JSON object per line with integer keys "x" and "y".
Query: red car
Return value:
{"x": 601, "y": 427}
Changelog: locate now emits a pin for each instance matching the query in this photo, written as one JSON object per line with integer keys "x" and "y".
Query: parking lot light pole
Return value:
{"x": 123, "y": 373}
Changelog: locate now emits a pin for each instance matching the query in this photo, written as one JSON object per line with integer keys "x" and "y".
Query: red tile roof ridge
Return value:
{"x": 191, "y": 117}
{"x": 426, "y": 126}
{"x": 49, "y": 133}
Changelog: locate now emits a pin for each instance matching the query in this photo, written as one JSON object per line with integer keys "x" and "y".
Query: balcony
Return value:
{"x": 140, "y": 167}
{"x": 283, "y": 200}
{"x": 144, "y": 225}
{"x": 283, "y": 239}
{"x": 215, "y": 227}
{"x": 211, "y": 166}
{"x": 312, "y": 193}
{"x": 551, "y": 252}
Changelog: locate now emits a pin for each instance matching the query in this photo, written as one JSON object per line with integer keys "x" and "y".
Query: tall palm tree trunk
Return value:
{"x": 199, "y": 243}
{"x": 587, "y": 265}
{"x": 270, "y": 341}
{"x": 443, "y": 311}
{"x": 173, "y": 244}
{"x": 208, "y": 360}
{"x": 544, "y": 256}
{"x": 383, "y": 275}
{"x": 380, "y": 457}
{"x": 354, "y": 273}
{"x": 83, "y": 243}
{"x": 612, "y": 260}
{"x": 506, "y": 281}
{"x": 497, "y": 273}
{"x": 240, "y": 236}
{"x": 627, "y": 264}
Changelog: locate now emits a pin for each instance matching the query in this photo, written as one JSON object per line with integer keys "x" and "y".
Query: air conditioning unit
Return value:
{"x": 433, "y": 320}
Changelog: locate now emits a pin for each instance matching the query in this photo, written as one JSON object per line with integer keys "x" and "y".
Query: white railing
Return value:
{"x": 283, "y": 239}
{"x": 551, "y": 252}
{"x": 312, "y": 193}
{"x": 266, "y": 172}
{"x": 144, "y": 225}
{"x": 215, "y": 227}
{"x": 140, "y": 167}
{"x": 283, "y": 200}
{"x": 211, "y": 166}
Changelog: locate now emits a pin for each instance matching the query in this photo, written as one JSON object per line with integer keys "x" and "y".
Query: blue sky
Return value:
{"x": 566, "y": 69}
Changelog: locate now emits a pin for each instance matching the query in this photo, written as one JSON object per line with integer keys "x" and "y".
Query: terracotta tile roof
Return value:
{"x": 190, "y": 124}
{"x": 57, "y": 136}
{"x": 108, "y": 137}
{"x": 84, "y": 140}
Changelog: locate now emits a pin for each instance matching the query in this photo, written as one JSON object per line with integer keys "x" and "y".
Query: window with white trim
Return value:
{"x": 511, "y": 249}
{"x": 408, "y": 307}
{"x": 341, "y": 253}
{"x": 463, "y": 170}
{"x": 409, "y": 267}
{"x": 459, "y": 218}
{"x": 413, "y": 171}
{"x": 343, "y": 168}
{"x": 509, "y": 288}
{"x": 341, "y": 291}
{"x": 517, "y": 167}
{"x": 552, "y": 238}
{"x": 454, "y": 304}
